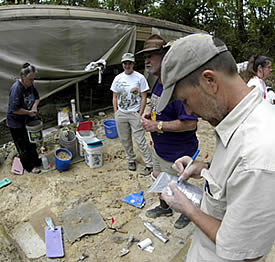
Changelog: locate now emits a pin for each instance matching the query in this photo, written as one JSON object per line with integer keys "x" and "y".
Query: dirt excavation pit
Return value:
{"x": 30, "y": 197}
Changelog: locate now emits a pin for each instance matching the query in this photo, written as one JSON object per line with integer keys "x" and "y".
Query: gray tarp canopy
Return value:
{"x": 60, "y": 41}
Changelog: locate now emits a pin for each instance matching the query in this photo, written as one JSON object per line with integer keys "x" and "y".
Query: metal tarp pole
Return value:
{"x": 77, "y": 97}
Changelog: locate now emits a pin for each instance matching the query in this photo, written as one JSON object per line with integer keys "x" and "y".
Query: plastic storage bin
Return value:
{"x": 84, "y": 126}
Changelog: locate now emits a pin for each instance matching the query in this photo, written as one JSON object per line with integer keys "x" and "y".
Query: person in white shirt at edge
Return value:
{"x": 259, "y": 68}
{"x": 236, "y": 219}
{"x": 270, "y": 95}
{"x": 129, "y": 101}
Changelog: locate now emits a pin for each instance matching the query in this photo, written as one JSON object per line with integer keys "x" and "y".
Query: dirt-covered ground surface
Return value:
{"x": 105, "y": 187}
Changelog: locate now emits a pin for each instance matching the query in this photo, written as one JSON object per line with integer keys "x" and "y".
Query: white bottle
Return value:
{"x": 45, "y": 162}
{"x": 73, "y": 110}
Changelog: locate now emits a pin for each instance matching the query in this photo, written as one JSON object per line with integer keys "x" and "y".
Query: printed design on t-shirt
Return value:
{"x": 29, "y": 101}
{"x": 125, "y": 99}
{"x": 134, "y": 96}
{"x": 124, "y": 102}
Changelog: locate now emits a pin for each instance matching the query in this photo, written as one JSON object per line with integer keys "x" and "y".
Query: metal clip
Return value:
{"x": 130, "y": 240}
{"x": 82, "y": 257}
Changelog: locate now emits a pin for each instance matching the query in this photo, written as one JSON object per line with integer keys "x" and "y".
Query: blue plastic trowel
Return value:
{"x": 135, "y": 199}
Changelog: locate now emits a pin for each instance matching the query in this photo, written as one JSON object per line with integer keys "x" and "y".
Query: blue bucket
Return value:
{"x": 62, "y": 164}
{"x": 110, "y": 128}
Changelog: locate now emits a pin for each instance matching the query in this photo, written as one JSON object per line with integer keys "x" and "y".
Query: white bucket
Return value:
{"x": 82, "y": 138}
{"x": 34, "y": 129}
{"x": 93, "y": 154}
{"x": 81, "y": 149}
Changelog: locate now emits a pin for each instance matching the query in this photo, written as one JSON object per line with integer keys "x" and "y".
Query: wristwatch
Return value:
{"x": 160, "y": 130}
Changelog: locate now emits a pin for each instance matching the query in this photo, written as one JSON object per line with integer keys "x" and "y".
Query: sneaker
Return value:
{"x": 159, "y": 211}
{"x": 36, "y": 170}
{"x": 182, "y": 222}
{"x": 146, "y": 171}
{"x": 132, "y": 166}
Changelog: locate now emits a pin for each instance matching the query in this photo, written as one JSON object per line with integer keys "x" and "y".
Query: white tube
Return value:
{"x": 144, "y": 243}
{"x": 73, "y": 110}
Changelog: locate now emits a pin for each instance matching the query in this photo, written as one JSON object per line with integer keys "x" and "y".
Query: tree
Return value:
{"x": 246, "y": 26}
{"x": 132, "y": 7}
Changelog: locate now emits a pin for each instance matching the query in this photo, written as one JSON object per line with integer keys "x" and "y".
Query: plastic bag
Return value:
{"x": 161, "y": 185}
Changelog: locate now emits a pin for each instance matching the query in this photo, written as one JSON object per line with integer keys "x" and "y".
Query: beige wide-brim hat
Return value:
{"x": 152, "y": 45}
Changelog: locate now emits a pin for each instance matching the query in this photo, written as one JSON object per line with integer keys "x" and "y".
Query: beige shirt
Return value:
{"x": 242, "y": 185}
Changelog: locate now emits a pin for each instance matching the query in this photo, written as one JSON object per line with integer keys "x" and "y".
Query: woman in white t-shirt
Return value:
{"x": 129, "y": 100}
{"x": 259, "y": 68}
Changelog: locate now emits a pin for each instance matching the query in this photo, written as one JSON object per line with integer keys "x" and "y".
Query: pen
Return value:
{"x": 190, "y": 163}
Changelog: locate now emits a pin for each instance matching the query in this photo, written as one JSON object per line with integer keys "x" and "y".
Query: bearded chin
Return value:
{"x": 150, "y": 70}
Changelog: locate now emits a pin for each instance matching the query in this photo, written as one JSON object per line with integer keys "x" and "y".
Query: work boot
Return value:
{"x": 132, "y": 166}
{"x": 146, "y": 171}
{"x": 159, "y": 211}
{"x": 182, "y": 222}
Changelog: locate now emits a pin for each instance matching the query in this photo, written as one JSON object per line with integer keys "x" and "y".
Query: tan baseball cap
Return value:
{"x": 128, "y": 57}
{"x": 185, "y": 56}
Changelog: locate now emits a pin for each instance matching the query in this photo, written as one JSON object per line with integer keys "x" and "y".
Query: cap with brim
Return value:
{"x": 151, "y": 45}
{"x": 128, "y": 57}
{"x": 185, "y": 56}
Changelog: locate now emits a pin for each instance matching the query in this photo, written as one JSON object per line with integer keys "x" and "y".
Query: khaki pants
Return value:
{"x": 128, "y": 125}
{"x": 162, "y": 165}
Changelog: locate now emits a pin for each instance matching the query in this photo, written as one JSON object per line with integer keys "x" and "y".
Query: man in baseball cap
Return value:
{"x": 236, "y": 220}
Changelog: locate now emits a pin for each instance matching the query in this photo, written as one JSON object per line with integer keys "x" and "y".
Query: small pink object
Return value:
{"x": 50, "y": 165}
{"x": 17, "y": 167}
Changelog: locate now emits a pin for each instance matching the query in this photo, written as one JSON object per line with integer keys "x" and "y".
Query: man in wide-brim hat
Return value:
{"x": 173, "y": 131}
{"x": 154, "y": 43}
